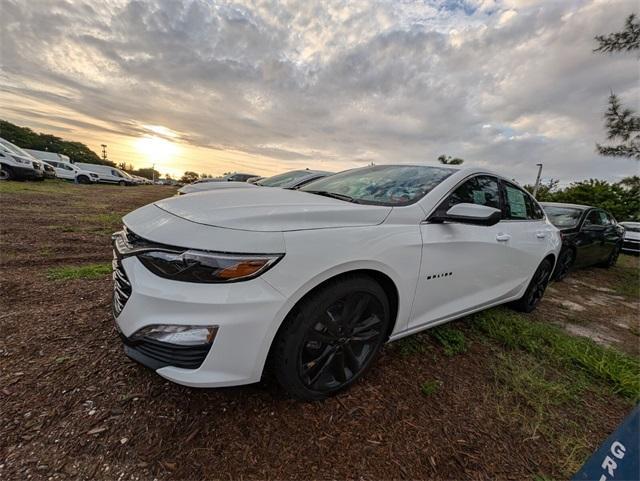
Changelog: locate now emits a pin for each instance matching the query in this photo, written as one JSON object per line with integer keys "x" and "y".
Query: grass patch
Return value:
{"x": 535, "y": 395}
{"x": 627, "y": 281}
{"x": 430, "y": 387}
{"x": 552, "y": 344}
{"x": 103, "y": 219}
{"x": 410, "y": 345}
{"x": 51, "y": 186}
{"x": 90, "y": 271}
{"x": 452, "y": 340}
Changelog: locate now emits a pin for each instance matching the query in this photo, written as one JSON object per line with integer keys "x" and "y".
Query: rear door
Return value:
{"x": 463, "y": 266}
{"x": 590, "y": 240}
{"x": 529, "y": 233}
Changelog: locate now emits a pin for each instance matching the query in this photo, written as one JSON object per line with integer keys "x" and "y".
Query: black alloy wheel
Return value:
{"x": 565, "y": 262}
{"x": 333, "y": 338}
{"x": 533, "y": 295}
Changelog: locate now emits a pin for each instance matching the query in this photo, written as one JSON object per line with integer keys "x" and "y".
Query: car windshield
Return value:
{"x": 392, "y": 185}
{"x": 283, "y": 179}
{"x": 15, "y": 149}
{"x": 563, "y": 216}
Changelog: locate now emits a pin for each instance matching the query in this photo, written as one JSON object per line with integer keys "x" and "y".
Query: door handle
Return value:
{"x": 503, "y": 237}
{"x": 541, "y": 235}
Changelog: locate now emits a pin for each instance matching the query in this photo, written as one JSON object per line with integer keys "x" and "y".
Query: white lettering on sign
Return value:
{"x": 618, "y": 450}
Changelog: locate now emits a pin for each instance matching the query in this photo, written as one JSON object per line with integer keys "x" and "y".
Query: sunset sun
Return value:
{"x": 155, "y": 149}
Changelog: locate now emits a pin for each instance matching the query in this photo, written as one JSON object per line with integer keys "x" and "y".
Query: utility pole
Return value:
{"x": 104, "y": 152}
{"x": 535, "y": 187}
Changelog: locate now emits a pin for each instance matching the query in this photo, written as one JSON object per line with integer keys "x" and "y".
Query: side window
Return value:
{"x": 534, "y": 211}
{"x": 116, "y": 173}
{"x": 519, "y": 205}
{"x": 594, "y": 218}
{"x": 481, "y": 190}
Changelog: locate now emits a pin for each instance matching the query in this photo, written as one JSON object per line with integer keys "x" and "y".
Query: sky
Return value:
{"x": 267, "y": 86}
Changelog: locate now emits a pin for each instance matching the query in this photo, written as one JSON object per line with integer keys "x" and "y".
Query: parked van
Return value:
{"x": 17, "y": 164}
{"x": 46, "y": 156}
{"x": 108, "y": 174}
{"x": 68, "y": 171}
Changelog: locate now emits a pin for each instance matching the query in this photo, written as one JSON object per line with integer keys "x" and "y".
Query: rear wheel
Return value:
{"x": 331, "y": 338}
{"x": 564, "y": 264}
{"x": 613, "y": 257}
{"x": 5, "y": 172}
{"x": 533, "y": 295}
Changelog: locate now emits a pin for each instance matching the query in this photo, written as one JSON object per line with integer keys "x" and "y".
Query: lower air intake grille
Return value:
{"x": 121, "y": 286}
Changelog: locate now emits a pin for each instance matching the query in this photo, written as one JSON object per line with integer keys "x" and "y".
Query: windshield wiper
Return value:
{"x": 333, "y": 195}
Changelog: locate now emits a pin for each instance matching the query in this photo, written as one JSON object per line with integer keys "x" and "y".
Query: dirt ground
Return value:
{"x": 73, "y": 406}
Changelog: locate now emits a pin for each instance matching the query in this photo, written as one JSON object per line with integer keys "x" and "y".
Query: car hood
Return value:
{"x": 214, "y": 185}
{"x": 271, "y": 210}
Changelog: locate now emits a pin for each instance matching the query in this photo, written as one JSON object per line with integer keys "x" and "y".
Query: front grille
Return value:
{"x": 121, "y": 286}
{"x": 157, "y": 354}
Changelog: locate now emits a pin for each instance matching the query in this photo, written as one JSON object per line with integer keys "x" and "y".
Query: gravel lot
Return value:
{"x": 73, "y": 406}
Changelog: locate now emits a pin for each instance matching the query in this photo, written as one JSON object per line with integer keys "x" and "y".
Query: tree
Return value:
{"x": 28, "y": 139}
{"x": 545, "y": 189}
{"x": 147, "y": 173}
{"x": 627, "y": 40}
{"x": 189, "y": 177}
{"x": 622, "y": 124}
{"x": 622, "y": 199}
{"x": 447, "y": 159}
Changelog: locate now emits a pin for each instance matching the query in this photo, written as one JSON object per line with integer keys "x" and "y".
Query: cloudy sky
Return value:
{"x": 264, "y": 86}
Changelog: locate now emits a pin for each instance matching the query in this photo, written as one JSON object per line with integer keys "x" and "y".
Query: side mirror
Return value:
{"x": 470, "y": 214}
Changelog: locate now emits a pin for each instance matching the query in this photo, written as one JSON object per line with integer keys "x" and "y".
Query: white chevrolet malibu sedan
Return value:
{"x": 210, "y": 286}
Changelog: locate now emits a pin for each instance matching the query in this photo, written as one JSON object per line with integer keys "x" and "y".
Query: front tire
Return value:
{"x": 331, "y": 338}
{"x": 122, "y": 183}
{"x": 5, "y": 172}
{"x": 535, "y": 290}
{"x": 83, "y": 179}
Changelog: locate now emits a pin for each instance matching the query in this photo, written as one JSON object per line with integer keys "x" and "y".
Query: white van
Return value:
{"x": 108, "y": 174}
{"x": 46, "y": 156}
{"x": 17, "y": 164}
{"x": 68, "y": 171}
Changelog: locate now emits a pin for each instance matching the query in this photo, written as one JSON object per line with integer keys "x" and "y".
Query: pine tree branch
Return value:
{"x": 627, "y": 40}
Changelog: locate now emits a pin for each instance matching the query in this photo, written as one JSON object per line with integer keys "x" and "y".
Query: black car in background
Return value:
{"x": 590, "y": 236}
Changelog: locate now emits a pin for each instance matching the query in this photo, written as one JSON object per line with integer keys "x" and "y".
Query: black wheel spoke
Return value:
{"x": 323, "y": 365}
{"x": 365, "y": 336}
{"x": 353, "y": 310}
{"x": 351, "y": 360}
{"x": 320, "y": 336}
{"x": 366, "y": 325}
{"x": 339, "y": 367}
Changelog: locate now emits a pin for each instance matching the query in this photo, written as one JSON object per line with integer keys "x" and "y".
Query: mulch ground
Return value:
{"x": 72, "y": 405}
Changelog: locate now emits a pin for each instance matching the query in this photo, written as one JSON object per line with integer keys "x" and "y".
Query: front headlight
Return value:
{"x": 21, "y": 161}
{"x": 206, "y": 267}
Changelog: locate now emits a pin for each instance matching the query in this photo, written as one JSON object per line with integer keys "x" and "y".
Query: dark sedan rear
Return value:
{"x": 590, "y": 236}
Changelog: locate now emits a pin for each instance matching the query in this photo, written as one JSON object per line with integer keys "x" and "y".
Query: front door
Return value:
{"x": 463, "y": 266}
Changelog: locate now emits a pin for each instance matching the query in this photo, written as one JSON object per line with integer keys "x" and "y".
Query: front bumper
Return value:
{"x": 246, "y": 313}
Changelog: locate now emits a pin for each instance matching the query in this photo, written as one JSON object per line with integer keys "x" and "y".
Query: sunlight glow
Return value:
{"x": 156, "y": 149}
